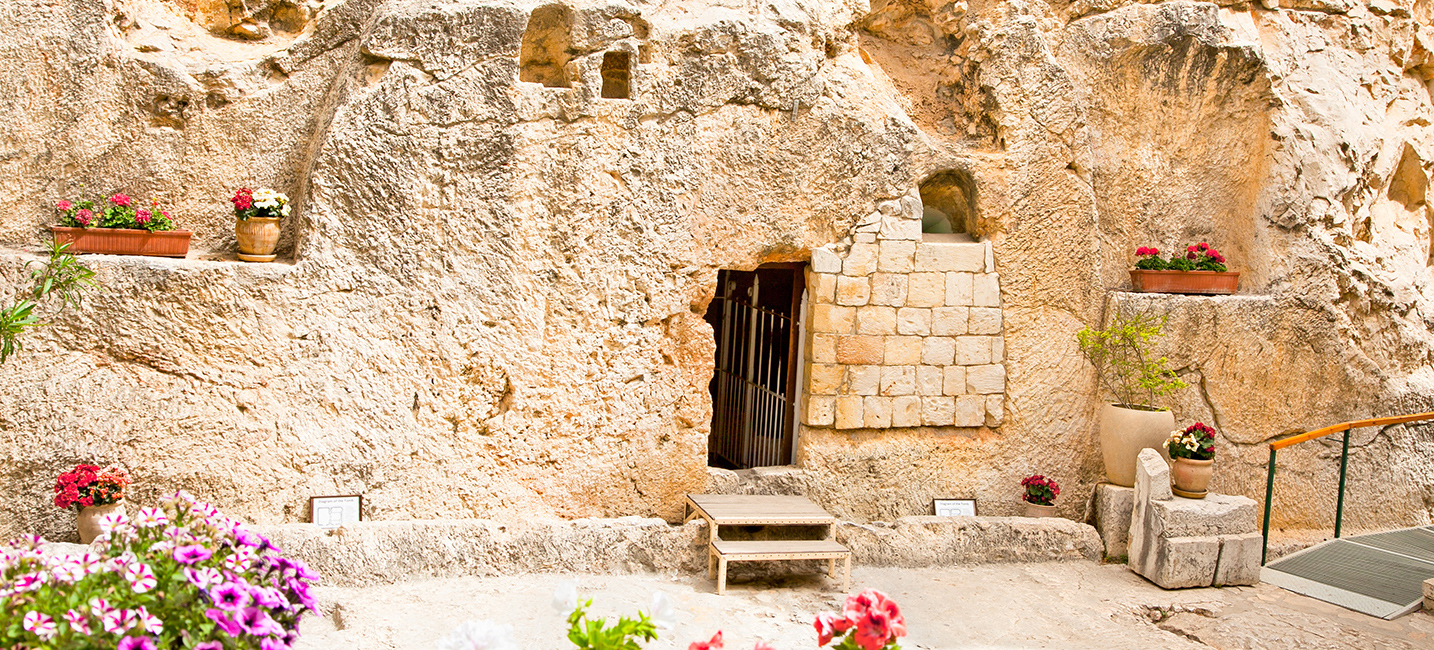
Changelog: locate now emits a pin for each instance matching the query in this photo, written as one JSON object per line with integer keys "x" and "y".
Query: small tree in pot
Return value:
{"x": 1129, "y": 369}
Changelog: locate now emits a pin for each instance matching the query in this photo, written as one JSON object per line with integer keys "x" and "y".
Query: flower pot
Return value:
{"x": 1124, "y": 432}
{"x": 124, "y": 241}
{"x": 1037, "y": 510}
{"x": 1191, "y": 282}
{"x": 257, "y": 238}
{"x": 89, "y": 520}
{"x": 1189, "y": 478}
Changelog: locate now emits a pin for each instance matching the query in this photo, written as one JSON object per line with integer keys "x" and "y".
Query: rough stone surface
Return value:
{"x": 491, "y": 292}
{"x": 1113, "y": 505}
{"x": 1429, "y": 595}
{"x": 1239, "y": 562}
{"x": 1216, "y": 514}
{"x": 1178, "y": 543}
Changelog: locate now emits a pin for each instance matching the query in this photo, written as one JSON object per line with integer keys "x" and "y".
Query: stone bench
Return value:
{"x": 1177, "y": 542}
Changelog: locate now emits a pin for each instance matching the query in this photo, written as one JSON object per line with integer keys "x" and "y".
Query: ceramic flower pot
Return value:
{"x": 1189, "y": 478}
{"x": 1126, "y": 431}
{"x": 89, "y": 520}
{"x": 1037, "y": 510}
{"x": 1189, "y": 282}
{"x": 257, "y": 238}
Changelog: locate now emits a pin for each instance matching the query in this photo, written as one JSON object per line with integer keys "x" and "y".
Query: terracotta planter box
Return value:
{"x": 123, "y": 241}
{"x": 1194, "y": 282}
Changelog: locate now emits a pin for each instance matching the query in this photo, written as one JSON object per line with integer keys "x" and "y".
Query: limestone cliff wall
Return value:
{"x": 490, "y": 298}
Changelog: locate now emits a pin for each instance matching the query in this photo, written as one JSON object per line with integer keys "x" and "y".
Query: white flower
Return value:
{"x": 283, "y": 198}
{"x": 264, "y": 194}
{"x": 565, "y": 598}
{"x": 664, "y": 614}
{"x": 480, "y": 635}
{"x": 285, "y": 210}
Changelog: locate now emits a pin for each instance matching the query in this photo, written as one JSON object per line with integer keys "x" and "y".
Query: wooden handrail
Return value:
{"x": 1346, "y": 426}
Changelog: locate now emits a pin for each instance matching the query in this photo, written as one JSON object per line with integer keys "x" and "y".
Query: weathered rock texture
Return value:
{"x": 1177, "y": 542}
{"x": 491, "y": 296}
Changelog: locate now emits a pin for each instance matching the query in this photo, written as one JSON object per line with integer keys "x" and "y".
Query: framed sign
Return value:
{"x": 333, "y": 512}
{"x": 954, "y": 507}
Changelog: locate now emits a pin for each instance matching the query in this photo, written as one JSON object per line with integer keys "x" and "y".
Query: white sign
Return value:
{"x": 955, "y": 507}
{"x": 333, "y": 512}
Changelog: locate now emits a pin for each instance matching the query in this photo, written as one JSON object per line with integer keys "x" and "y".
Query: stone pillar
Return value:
{"x": 1113, "y": 505}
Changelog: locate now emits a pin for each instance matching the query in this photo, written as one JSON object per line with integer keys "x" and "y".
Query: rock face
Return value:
{"x": 509, "y": 220}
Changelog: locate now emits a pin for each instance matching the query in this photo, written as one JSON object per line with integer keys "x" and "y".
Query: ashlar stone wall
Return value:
{"x": 903, "y": 332}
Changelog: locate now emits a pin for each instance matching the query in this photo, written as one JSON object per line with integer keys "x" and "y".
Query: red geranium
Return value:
{"x": 88, "y": 485}
{"x": 1040, "y": 490}
{"x": 243, "y": 199}
{"x": 872, "y": 620}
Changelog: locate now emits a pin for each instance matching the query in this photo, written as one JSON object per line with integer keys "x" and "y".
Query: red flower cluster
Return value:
{"x": 243, "y": 199}
{"x": 1145, "y": 251}
{"x": 88, "y": 485}
{"x": 120, "y": 200}
{"x": 1202, "y": 249}
{"x": 873, "y": 620}
{"x": 714, "y": 644}
{"x": 1040, "y": 490}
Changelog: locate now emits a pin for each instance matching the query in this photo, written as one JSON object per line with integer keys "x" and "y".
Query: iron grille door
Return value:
{"x": 754, "y": 382}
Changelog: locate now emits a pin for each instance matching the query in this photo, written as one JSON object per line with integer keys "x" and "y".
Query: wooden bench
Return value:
{"x": 765, "y": 510}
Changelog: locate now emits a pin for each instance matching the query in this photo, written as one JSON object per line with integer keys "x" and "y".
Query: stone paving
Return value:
{"x": 1073, "y": 605}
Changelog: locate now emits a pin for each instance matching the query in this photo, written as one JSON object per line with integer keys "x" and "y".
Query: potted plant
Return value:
{"x": 256, "y": 222}
{"x": 1192, "y": 451}
{"x": 1201, "y": 270}
{"x": 1040, "y": 496}
{"x": 94, "y": 492}
{"x": 1127, "y": 367}
{"x": 119, "y": 227}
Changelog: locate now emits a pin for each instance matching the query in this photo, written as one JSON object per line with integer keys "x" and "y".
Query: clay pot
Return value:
{"x": 257, "y": 238}
{"x": 124, "y": 241}
{"x": 1189, "y": 478}
{"x": 1189, "y": 282}
{"x": 1124, "y": 432}
{"x": 89, "y": 520}
{"x": 1037, "y": 510}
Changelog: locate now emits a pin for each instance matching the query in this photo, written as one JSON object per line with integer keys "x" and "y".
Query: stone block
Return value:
{"x": 998, "y": 349}
{"x": 986, "y": 290}
{"x": 823, "y": 348}
{"x": 871, "y": 223}
{"x": 898, "y": 380}
{"x": 825, "y": 260}
{"x": 958, "y": 289}
{"x": 860, "y": 260}
{"x": 937, "y": 411}
{"x": 903, "y": 350}
{"x": 849, "y": 412}
{"x": 862, "y": 380}
{"x": 888, "y": 289}
{"x": 900, "y": 228}
{"x": 938, "y": 350}
{"x": 853, "y": 292}
{"x": 1239, "y": 562}
{"x": 970, "y": 411}
{"x": 875, "y": 320}
{"x": 1180, "y": 562}
{"x": 867, "y": 237}
{"x": 1152, "y": 483}
{"x": 990, "y": 258}
{"x": 860, "y": 350}
{"x": 951, "y": 256}
{"x": 876, "y": 412}
{"x": 929, "y": 381}
{"x": 1429, "y": 595}
{"x": 925, "y": 290}
{"x": 823, "y": 288}
{"x": 986, "y": 380}
{"x": 953, "y": 380}
{"x": 825, "y": 379}
{"x": 896, "y": 256}
{"x": 995, "y": 410}
{"x": 985, "y": 320}
{"x": 906, "y": 411}
{"x": 833, "y": 319}
{"x": 949, "y": 321}
{"x": 1216, "y": 514}
{"x": 821, "y": 411}
{"x": 972, "y": 350}
{"x": 1113, "y": 504}
{"x": 913, "y": 321}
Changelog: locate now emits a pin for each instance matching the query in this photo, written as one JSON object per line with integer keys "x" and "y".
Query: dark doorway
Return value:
{"x": 754, "y": 385}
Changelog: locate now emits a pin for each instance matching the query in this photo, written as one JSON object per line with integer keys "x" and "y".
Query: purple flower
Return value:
{"x": 230, "y": 596}
{"x": 257, "y": 622}
{"x": 191, "y": 554}
{"x": 227, "y": 625}
{"x": 269, "y": 643}
{"x": 136, "y": 643}
{"x": 210, "y": 645}
{"x": 249, "y": 538}
{"x": 268, "y": 598}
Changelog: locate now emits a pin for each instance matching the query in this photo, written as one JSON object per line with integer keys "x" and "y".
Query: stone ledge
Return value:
{"x": 935, "y": 541}
{"x": 1216, "y": 514}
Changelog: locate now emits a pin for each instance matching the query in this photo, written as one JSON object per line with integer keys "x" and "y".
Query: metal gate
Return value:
{"x": 754, "y": 385}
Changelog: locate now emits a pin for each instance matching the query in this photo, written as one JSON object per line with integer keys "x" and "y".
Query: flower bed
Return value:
{"x": 1200, "y": 270}
{"x": 119, "y": 227}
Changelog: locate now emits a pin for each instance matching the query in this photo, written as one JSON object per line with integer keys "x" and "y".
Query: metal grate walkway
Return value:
{"x": 1380, "y": 574}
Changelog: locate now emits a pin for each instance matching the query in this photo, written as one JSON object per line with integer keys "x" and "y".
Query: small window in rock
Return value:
{"x": 949, "y": 202}
{"x": 547, "y": 47}
{"x": 617, "y": 75}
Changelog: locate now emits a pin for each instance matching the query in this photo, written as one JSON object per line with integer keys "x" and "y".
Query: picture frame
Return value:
{"x": 330, "y": 512}
{"x": 954, "y": 507}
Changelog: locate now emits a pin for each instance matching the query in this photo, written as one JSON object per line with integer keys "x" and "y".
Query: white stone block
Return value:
{"x": 898, "y": 380}
{"x": 953, "y": 380}
{"x": 822, "y": 287}
{"x": 825, "y": 379}
{"x": 823, "y": 348}
{"x": 906, "y": 411}
{"x": 896, "y": 257}
{"x": 899, "y": 228}
{"x": 876, "y": 320}
{"x": 853, "y": 291}
{"x": 1216, "y": 514}
{"x": 833, "y": 319}
{"x": 973, "y": 350}
{"x": 990, "y": 258}
{"x": 862, "y": 380}
{"x": 943, "y": 256}
{"x": 1181, "y": 562}
{"x": 929, "y": 381}
{"x": 876, "y": 412}
{"x": 888, "y": 289}
{"x": 989, "y": 379}
{"x": 1239, "y": 562}
{"x": 985, "y": 320}
{"x": 938, "y": 350}
{"x": 903, "y": 350}
{"x": 825, "y": 260}
{"x": 995, "y": 410}
{"x": 860, "y": 260}
{"x": 865, "y": 238}
{"x": 925, "y": 290}
{"x": 913, "y": 321}
{"x": 950, "y": 321}
{"x": 849, "y": 412}
{"x": 986, "y": 290}
{"x": 1113, "y": 504}
{"x": 970, "y": 411}
{"x": 998, "y": 349}
{"x": 821, "y": 411}
{"x": 870, "y": 223}
{"x": 937, "y": 411}
{"x": 959, "y": 287}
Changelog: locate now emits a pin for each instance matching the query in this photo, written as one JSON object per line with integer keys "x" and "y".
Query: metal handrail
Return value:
{"x": 1307, "y": 436}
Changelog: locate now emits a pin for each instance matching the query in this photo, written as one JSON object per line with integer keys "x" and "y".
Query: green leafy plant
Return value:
{"x": 1196, "y": 442}
{"x": 61, "y": 276}
{"x": 1124, "y": 361}
{"x": 118, "y": 211}
{"x": 1197, "y": 257}
{"x": 596, "y": 634}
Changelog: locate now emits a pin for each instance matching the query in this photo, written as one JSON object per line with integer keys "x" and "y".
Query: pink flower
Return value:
{"x": 120, "y": 200}
{"x": 763, "y": 645}
{"x": 142, "y": 215}
{"x": 64, "y": 205}
{"x": 84, "y": 217}
{"x": 78, "y": 622}
{"x": 140, "y": 577}
{"x": 41, "y": 625}
{"x": 150, "y": 622}
{"x": 714, "y": 644}
{"x": 224, "y": 622}
{"x": 119, "y": 621}
{"x": 191, "y": 554}
{"x": 100, "y": 607}
{"x": 136, "y": 643}
{"x": 829, "y": 626}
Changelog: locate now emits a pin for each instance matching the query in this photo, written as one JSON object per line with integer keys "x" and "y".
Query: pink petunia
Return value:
{"x": 78, "y": 622}
{"x": 39, "y": 624}
{"x": 148, "y": 621}
{"x": 119, "y": 621}
{"x": 140, "y": 577}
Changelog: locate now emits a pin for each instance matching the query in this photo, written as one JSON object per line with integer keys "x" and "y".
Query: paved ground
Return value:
{"x": 1066, "y": 605}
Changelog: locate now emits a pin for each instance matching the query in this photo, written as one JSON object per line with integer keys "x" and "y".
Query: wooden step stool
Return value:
{"x": 764, "y": 510}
